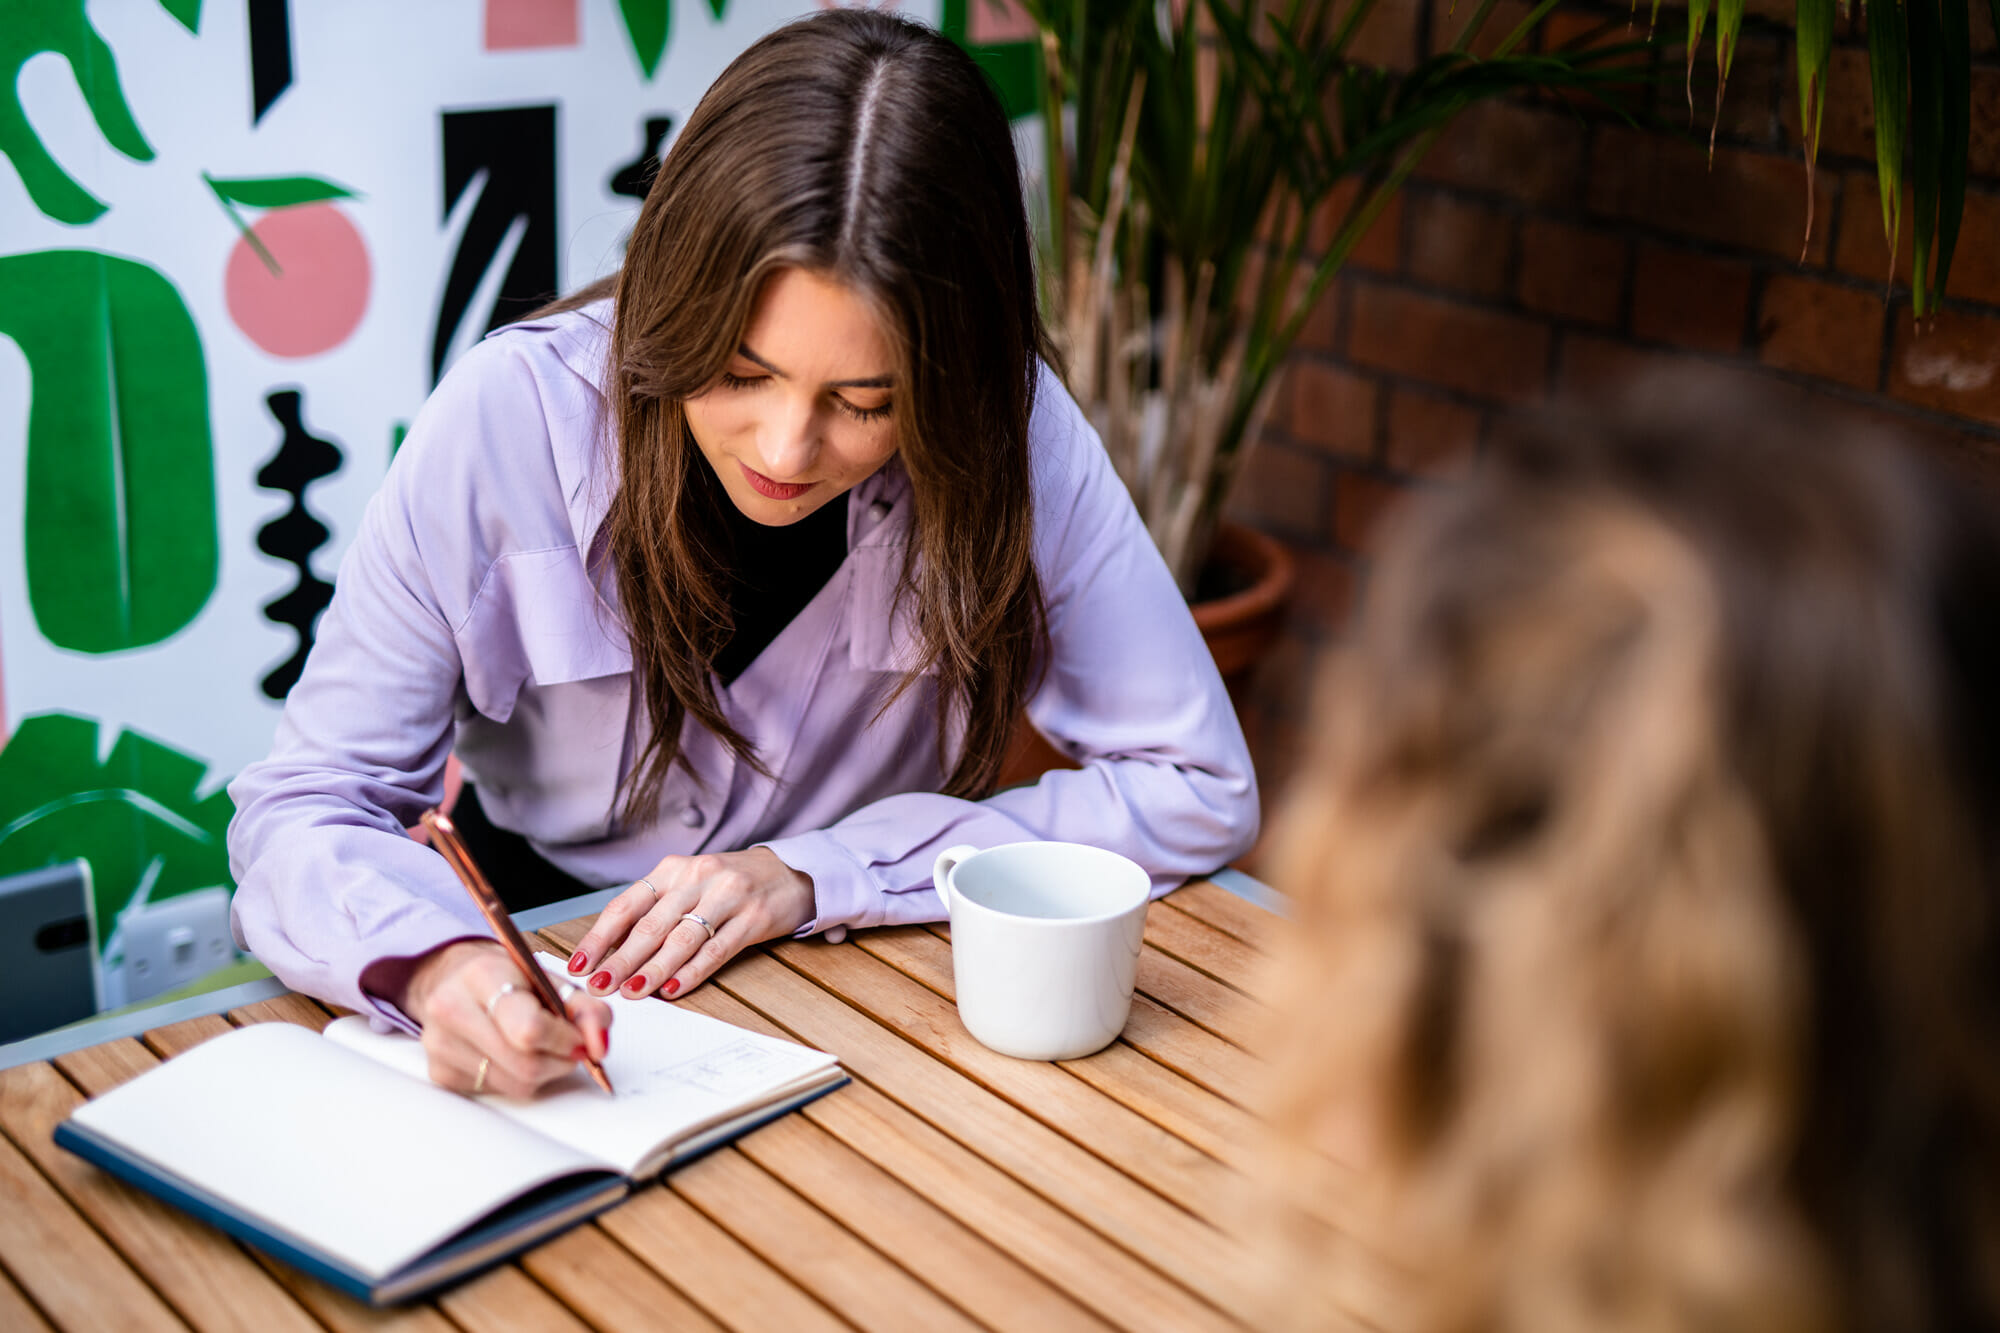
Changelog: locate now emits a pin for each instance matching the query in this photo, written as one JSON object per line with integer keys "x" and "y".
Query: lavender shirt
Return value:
{"x": 466, "y": 617}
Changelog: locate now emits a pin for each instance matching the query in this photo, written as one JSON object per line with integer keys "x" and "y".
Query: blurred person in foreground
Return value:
{"x": 1646, "y": 958}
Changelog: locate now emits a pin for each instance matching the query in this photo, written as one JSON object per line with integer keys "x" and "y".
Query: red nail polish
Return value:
{"x": 602, "y": 981}
{"x": 635, "y": 985}
{"x": 578, "y": 962}
{"x": 603, "y": 1044}
{"x": 577, "y": 1054}
{"x": 673, "y": 985}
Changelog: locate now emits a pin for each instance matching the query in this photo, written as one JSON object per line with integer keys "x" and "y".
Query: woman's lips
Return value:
{"x": 774, "y": 490}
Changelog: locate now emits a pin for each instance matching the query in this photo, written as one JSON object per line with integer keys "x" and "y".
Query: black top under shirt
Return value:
{"x": 777, "y": 572}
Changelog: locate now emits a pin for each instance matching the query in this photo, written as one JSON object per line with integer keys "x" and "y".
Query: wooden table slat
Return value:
{"x": 1206, "y": 949}
{"x": 1165, "y": 1036}
{"x": 290, "y": 1007}
{"x": 1117, "y": 1206}
{"x": 507, "y": 1300}
{"x": 1230, "y": 913}
{"x": 985, "y": 1199}
{"x": 877, "y": 979}
{"x": 1220, "y": 1128}
{"x": 605, "y": 1283}
{"x": 210, "y": 1282}
{"x": 1199, "y": 998}
{"x": 717, "y": 1271}
{"x": 851, "y": 1277}
{"x": 16, "y": 1312}
{"x": 343, "y": 1313}
{"x": 985, "y": 1282}
{"x": 64, "y": 1266}
{"x": 178, "y": 1038}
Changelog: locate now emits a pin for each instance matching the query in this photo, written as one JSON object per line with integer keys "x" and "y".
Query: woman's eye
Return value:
{"x": 730, "y": 381}
{"x": 862, "y": 413}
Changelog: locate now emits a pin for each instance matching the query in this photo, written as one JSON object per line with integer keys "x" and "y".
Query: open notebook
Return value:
{"x": 336, "y": 1153}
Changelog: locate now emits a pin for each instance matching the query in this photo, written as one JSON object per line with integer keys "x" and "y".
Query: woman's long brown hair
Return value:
{"x": 872, "y": 151}
{"x": 1648, "y": 956}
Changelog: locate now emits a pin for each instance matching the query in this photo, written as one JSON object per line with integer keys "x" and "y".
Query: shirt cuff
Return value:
{"x": 843, "y": 893}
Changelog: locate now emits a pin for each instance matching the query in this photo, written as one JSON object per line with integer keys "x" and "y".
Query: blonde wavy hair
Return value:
{"x": 1644, "y": 973}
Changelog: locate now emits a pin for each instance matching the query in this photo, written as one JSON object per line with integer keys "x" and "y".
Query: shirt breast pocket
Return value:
{"x": 548, "y": 671}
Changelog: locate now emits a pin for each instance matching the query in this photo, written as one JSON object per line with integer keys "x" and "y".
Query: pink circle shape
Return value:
{"x": 318, "y": 295}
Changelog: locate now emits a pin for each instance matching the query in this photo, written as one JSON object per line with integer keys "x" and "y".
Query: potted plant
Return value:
{"x": 1187, "y": 153}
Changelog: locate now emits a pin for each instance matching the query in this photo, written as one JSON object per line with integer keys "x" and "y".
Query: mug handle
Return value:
{"x": 941, "y": 869}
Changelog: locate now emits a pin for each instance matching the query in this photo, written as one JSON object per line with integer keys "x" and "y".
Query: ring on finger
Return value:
{"x": 506, "y": 988}
{"x": 699, "y": 920}
{"x": 649, "y": 884}
{"x": 479, "y": 1079}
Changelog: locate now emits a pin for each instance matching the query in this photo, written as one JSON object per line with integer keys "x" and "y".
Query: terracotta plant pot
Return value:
{"x": 1239, "y": 628}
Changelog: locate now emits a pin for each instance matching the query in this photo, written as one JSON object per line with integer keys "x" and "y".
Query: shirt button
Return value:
{"x": 878, "y": 511}
{"x": 692, "y": 816}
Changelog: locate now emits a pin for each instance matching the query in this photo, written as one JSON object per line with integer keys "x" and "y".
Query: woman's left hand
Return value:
{"x": 646, "y": 939}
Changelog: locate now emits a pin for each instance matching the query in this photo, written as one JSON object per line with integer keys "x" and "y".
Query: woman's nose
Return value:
{"x": 790, "y": 441}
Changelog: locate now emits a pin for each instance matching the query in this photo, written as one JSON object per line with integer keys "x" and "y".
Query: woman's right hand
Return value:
{"x": 459, "y": 995}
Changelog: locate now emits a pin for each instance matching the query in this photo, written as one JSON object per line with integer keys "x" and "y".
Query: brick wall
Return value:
{"x": 1541, "y": 250}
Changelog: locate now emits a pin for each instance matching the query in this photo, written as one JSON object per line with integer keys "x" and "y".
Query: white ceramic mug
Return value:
{"x": 1044, "y": 944}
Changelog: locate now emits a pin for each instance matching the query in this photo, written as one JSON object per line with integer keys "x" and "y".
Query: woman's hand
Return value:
{"x": 482, "y": 1036}
{"x": 643, "y": 941}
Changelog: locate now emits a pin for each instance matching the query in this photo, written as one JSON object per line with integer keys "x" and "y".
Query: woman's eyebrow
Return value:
{"x": 872, "y": 382}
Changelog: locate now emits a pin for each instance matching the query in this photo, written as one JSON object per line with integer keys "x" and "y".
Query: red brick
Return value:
{"x": 1953, "y": 366}
{"x": 1389, "y": 36}
{"x": 1749, "y": 109}
{"x": 1593, "y": 366}
{"x": 1529, "y": 153}
{"x": 1480, "y": 352}
{"x": 1863, "y": 251}
{"x": 1810, "y": 325}
{"x": 1982, "y": 31}
{"x": 1360, "y": 502}
{"x": 1281, "y": 489}
{"x": 1983, "y": 159}
{"x": 1752, "y": 200}
{"x": 1847, "y": 124}
{"x": 1689, "y": 300}
{"x": 1574, "y": 272}
{"x": 1430, "y": 437}
{"x": 1330, "y": 409}
{"x": 1380, "y": 247}
{"x": 1459, "y": 243}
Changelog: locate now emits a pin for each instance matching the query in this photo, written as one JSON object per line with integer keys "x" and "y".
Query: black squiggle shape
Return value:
{"x": 302, "y": 459}
{"x": 636, "y": 177}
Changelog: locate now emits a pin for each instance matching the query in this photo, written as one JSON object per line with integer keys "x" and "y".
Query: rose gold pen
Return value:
{"x": 445, "y": 838}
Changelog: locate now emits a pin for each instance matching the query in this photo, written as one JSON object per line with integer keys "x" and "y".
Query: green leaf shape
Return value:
{"x": 1926, "y": 141}
{"x": 1815, "y": 54}
{"x": 120, "y": 523}
{"x": 719, "y": 8}
{"x": 276, "y": 191}
{"x": 1889, "y": 79}
{"x": 30, "y": 28}
{"x": 1697, "y": 19}
{"x": 1728, "y": 27}
{"x": 186, "y": 12}
{"x": 137, "y": 806}
{"x": 648, "y": 25}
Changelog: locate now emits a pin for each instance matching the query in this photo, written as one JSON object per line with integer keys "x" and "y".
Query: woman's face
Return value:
{"x": 802, "y": 411}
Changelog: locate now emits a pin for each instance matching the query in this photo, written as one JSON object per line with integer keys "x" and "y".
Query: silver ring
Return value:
{"x": 506, "y": 988}
{"x": 699, "y": 920}
{"x": 649, "y": 884}
{"x": 479, "y": 1079}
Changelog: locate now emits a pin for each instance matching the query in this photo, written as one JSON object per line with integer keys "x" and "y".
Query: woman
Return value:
{"x": 731, "y": 587}
{"x": 1648, "y": 965}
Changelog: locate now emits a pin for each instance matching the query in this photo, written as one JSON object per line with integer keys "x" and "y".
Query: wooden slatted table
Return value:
{"x": 945, "y": 1188}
